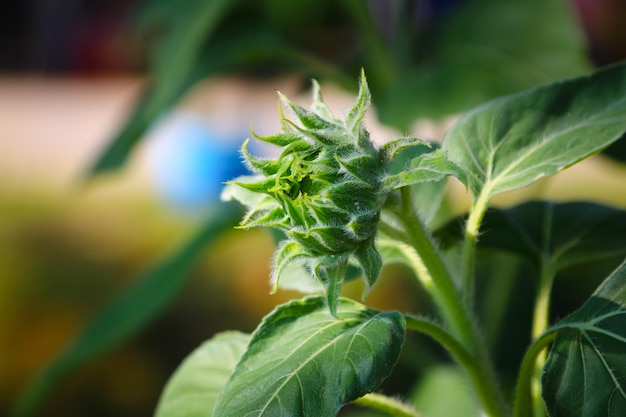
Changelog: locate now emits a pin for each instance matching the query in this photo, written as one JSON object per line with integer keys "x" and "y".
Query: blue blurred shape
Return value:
{"x": 189, "y": 160}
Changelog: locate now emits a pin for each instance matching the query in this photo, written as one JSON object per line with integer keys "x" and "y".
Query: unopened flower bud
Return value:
{"x": 325, "y": 191}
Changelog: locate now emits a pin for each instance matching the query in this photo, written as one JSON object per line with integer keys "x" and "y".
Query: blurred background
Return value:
{"x": 119, "y": 121}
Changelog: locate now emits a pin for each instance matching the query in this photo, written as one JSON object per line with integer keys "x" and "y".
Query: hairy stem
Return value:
{"x": 523, "y": 406}
{"x": 539, "y": 326}
{"x": 472, "y": 227}
{"x": 387, "y": 405}
{"x": 429, "y": 265}
{"x": 541, "y": 313}
{"x": 542, "y": 302}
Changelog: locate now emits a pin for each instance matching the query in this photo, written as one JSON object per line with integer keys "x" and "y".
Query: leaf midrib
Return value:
{"x": 496, "y": 178}
{"x": 606, "y": 365}
{"x": 585, "y": 328}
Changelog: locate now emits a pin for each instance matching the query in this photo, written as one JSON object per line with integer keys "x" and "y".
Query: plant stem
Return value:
{"x": 542, "y": 302}
{"x": 539, "y": 326}
{"x": 523, "y": 391}
{"x": 541, "y": 313}
{"x": 444, "y": 338}
{"x": 429, "y": 264}
{"x": 435, "y": 278}
{"x": 476, "y": 370}
{"x": 472, "y": 227}
{"x": 387, "y": 405}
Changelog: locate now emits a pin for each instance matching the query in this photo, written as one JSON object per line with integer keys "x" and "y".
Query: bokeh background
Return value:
{"x": 72, "y": 73}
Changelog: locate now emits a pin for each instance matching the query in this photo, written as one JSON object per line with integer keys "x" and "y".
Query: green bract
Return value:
{"x": 326, "y": 190}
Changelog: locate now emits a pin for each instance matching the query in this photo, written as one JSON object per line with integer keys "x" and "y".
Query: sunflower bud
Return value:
{"x": 325, "y": 191}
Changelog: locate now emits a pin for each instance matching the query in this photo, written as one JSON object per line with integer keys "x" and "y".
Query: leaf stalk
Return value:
{"x": 472, "y": 228}
{"x": 387, "y": 405}
{"x": 523, "y": 406}
{"x": 539, "y": 326}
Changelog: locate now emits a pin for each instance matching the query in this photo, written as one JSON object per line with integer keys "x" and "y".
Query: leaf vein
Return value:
{"x": 305, "y": 362}
{"x": 605, "y": 364}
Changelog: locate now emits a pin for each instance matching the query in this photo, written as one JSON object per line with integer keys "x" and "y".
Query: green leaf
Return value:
{"x": 309, "y": 119}
{"x": 153, "y": 292}
{"x": 393, "y": 251}
{"x": 332, "y": 273}
{"x": 304, "y": 362}
{"x": 355, "y": 115}
{"x": 371, "y": 263}
{"x": 432, "y": 166}
{"x": 511, "y": 142}
{"x": 428, "y": 197}
{"x": 319, "y": 106}
{"x": 288, "y": 251}
{"x": 232, "y": 191}
{"x": 479, "y": 50}
{"x": 585, "y": 373}
{"x": 193, "y": 389}
{"x": 562, "y": 234}
{"x": 390, "y": 149}
{"x": 175, "y": 68}
{"x": 265, "y": 166}
{"x": 296, "y": 277}
{"x": 432, "y": 394}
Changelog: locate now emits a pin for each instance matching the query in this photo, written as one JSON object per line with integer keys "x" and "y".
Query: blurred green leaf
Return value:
{"x": 617, "y": 151}
{"x": 560, "y": 234}
{"x": 302, "y": 361}
{"x": 445, "y": 391}
{"x": 585, "y": 373}
{"x": 174, "y": 70}
{"x": 296, "y": 277}
{"x": 153, "y": 292}
{"x": 511, "y": 142}
{"x": 392, "y": 251}
{"x": 193, "y": 389}
{"x": 484, "y": 49}
{"x": 480, "y": 50}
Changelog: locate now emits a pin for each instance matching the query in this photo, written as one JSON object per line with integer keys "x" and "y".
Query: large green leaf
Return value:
{"x": 155, "y": 290}
{"x": 302, "y": 361}
{"x": 511, "y": 142}
{"x": 193, "y": 389}
{"x": 561, "y": 234}
{"x": 479, "y": 50}
{"x": 585, "y": 374}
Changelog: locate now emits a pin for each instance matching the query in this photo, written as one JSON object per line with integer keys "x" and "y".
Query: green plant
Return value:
{"x": 417, "y": 68}
{"x": 345, "y": 210}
